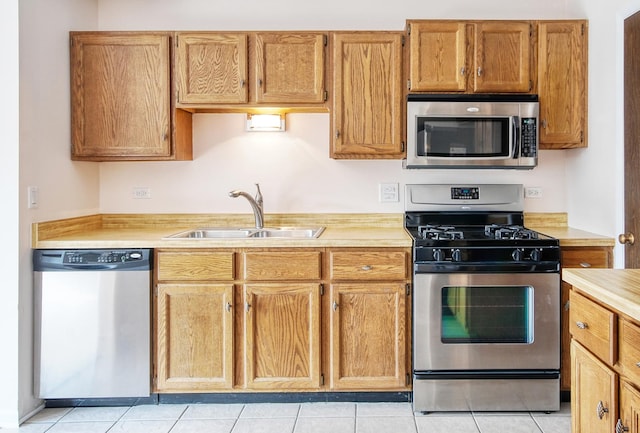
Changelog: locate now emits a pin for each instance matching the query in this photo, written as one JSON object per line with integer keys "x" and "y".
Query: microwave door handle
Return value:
{"x": 515, "y": 120}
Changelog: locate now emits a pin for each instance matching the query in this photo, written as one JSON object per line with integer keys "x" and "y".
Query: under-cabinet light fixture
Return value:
{"x": 265, "y": 122}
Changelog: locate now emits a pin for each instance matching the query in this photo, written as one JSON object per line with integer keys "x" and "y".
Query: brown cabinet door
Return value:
{"x": 282, "y": 336}
{"x": 194, "y": 331}
{"x": 120, "y": 96}
{"x": 438, "y": 56}
{"x": 562, "y": 75}
{"x": 212, "y": 68}
{"x": 576, "y": 257}
{"x": 502, "y": 57}
{"x": 366, "y": 118}
{"x": 629, "y": 408}
{"x": 290, "y": 67}
{"x": 367, "y": 345}
{"x": 595, "y": 387}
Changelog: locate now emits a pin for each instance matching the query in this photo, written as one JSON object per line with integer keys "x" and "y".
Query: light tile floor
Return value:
{"x": 289, "y": 418}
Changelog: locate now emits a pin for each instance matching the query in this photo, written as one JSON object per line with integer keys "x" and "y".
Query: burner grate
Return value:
{"x": 438, "y": 232}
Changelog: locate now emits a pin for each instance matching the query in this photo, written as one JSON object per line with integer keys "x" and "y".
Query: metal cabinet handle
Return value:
{"x": 544, "y": 124}
{"x": 567, "y": 305}
{"x": 242, "y": 83}
{"x": 585, "y": 265}
{"x": 462, "y": 71}
{"x": 335, "y": 306}
{"x": 620, "y": 428}
{"x": 247, "y": 306}
{"x": 367, "y": 267}
{"x": 601, "y": 410}
{"x": 479, "y": 72}
{"x": 259, "y": 82}
{"x": 228, "y": 306}
{"x": 638, "y": 364}
{"x": 582, "y": 325}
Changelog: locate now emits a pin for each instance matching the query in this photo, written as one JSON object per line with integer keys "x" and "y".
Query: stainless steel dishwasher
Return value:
{"x": 92, "y": 323}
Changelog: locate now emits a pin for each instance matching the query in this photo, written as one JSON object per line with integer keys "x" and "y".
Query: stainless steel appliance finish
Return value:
{"x": 472, "y": 131}
{"x": 92, "y": 323}
{"x": 486, "y": 301}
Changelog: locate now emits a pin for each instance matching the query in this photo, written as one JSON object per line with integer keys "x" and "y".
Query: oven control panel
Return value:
{"x": 465, "y": 193}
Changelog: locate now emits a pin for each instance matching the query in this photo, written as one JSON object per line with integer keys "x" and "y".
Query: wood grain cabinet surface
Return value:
{"x": 368, "y": 100}
{"x": 259, "y": 319}
{"x": 562, "y": 83}
{"x": 459, "y": 56}
{"x": 121, "y": 106}
{"x": 605, "y": 362}
{"x": 249, "y": 68}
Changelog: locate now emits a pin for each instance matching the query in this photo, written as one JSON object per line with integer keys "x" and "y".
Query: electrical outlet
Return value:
{"x": 141, "y": 192}
{"x": 533, "y": 192}
{"x": 389, "y": 192}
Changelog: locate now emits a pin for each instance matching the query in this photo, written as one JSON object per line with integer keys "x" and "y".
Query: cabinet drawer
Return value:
{"x": 368, "y": 265}
{"x": 629, "y": 350}
{"x": 195, "y": 266}
{"x": 282, "y": 265}
{"x": 593, "y": 326}
{"x": 586, "y": 258}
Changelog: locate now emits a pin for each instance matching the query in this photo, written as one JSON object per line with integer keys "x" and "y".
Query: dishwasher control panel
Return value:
{"x": 129, "y": 258}
{"x": 92, "y": 257}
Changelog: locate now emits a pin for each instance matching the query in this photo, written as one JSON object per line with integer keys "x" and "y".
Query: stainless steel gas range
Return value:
{"x": 486, "y": 304}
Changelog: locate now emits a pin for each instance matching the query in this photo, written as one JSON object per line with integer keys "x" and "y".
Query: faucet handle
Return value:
{"x": 258, "y": 195}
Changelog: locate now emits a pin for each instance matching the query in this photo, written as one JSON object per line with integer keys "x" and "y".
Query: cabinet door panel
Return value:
{"x": 438, "y": 60}
{"x": 282, "y": 336}
{"x": 629, "y": 350}
{"x": 562, "y": 84}
{"x": 502, "y": 57}
{"x": 629, "y": 407}
{"x": 367, "y": 98}
{"x": 368, "y": 347}
{"x": 120, "y": 96}
{"x": 212, "y": 68}
{"x": 593, "y": 384}
{"x": 194, "y": 337}
{"x": 290, "y": 67}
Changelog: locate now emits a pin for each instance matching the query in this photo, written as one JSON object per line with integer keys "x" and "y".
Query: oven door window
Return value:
{"x": 464, "y": 137}
{"x": 485, "y": 314}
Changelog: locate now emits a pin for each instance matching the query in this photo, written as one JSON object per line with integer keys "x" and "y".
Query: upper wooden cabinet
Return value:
{"x": 562, "y": 83}
{"x": 250, "y": 68}
{"x": 121, "y": 98}
{"x": 368, "y": 101}
{"x": 458, "y": 56}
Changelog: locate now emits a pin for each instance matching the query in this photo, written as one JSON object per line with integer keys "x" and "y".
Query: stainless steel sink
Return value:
{"x": 248, "y": 233}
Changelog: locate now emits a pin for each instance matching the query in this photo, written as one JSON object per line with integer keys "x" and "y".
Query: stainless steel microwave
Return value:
{"x": 472, "y": 131}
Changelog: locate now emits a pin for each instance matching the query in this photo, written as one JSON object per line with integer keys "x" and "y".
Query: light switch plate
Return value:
{"x": 533, "y": 192}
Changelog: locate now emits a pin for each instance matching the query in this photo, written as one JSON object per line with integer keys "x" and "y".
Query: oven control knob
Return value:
{"x": 535, "y": 255}
{"x": 438, "y": 255}
{"x": 456, "y": 255}
{"x": 517, "y": 255}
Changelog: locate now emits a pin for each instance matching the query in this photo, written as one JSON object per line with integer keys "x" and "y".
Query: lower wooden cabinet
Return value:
{"x": 282, "y": 319}
{"x": 282, "y": 336}
{"x": 593, "y": 407}
{"x": 629, "y": 420}
{"x": 367, "y": 346}
{"x": 576, "y": 257}
{"x": 194, "y": 337}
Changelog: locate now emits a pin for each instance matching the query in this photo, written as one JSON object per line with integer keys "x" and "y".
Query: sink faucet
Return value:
{"x": 256, "y": 204}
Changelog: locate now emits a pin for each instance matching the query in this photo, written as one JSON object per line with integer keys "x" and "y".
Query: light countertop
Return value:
{"x": 617, "y": 288}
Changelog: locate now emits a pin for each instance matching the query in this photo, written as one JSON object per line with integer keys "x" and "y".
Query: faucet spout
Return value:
{"x": 256, "y": 204}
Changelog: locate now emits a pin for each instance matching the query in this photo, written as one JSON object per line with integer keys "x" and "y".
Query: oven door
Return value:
{"x": 486, "y": 321}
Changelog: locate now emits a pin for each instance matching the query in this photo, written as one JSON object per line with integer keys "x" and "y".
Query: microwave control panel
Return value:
{"x": 529, "y": 137}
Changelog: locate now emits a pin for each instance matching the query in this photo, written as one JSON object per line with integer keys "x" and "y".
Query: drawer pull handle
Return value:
{"x": 585, "y": 265}
{"x": 582, "y": 325}
{"x": 638, "y": 364}
{"x": 601, "y": 410}
{"x": 228, "y": 306}
{"x": 367, "y": 267}
{"x": 620, "y": 428}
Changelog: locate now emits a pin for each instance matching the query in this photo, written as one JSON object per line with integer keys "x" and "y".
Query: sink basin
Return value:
{"x": 245, "y": 233}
